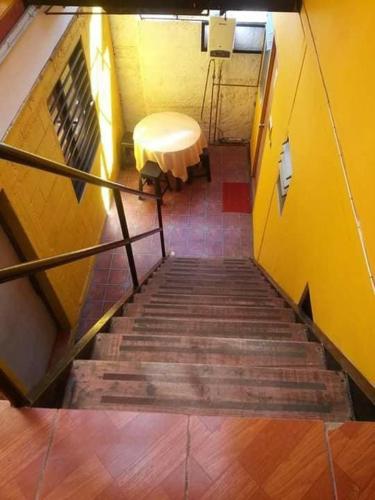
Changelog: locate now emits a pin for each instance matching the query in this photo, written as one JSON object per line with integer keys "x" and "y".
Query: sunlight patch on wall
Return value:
{"x": 105, "y": 193}
{"x": 100, "y": 74}
{"x": 105, "y": 112}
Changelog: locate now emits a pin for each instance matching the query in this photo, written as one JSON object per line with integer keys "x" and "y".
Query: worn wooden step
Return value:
{"x": 196, "y": 270}
{"x": 225, "y": 283}
{"x": 210, "y": 312}
{"x": 211, "y": 390}
{"x": 211, "y": 264}
{"x": 207, "y": 350}
{"x": 151, "y": 297}
{"x": 210, "y": 290}
{"x": 213, "y": 260}
{"x": 228, "y": 329}
{"x": 208, "y": 263}
{"x": 213, "y": 287}
{"x": 211, "y": 277}
{"x": 210, "y": 268}
{"x": 206, "y": 276}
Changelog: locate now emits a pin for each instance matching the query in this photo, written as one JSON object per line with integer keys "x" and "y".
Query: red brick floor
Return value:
{"x": 194, "y": 226}
{"x": 113, "y": 455}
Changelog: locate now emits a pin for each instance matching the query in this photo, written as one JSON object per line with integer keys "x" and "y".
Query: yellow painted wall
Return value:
{"x": 161, "y": 68}
{"x": 315, "y": 240}
{"x": 45, "y": 204}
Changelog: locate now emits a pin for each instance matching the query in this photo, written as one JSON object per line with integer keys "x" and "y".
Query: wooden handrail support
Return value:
{"x": 341, "y": 359}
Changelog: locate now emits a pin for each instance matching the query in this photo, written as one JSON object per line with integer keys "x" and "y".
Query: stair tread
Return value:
{"x": 210, "y": 312}
{"x": 196, "y": 271}
{"x": 149, "y": 296}
{"x": 211, "y": 337}
{"x": 208, "y": 350}
{"x": 209, "y": 290}
{"x": 211, "y": 390}
{"x": 196, "y": 281}
{"x": 210, "y": 260}
{"x": 203, "y": 278}
{"x": 282, "y": 330}
{"x": 225, "y": 271}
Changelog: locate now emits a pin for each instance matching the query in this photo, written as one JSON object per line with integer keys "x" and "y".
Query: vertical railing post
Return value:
{"x": 160, "y": 220}
{"x": 125, "y": 234}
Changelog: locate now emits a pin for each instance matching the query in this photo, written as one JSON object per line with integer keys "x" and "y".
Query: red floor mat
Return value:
{"x": 236, "y": 197}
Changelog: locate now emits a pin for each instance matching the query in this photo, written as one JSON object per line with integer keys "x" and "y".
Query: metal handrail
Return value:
{"x": 27, "y": 159}
{"x": 35, "y": 266}
{"x": 53, "y": 375}
{"x": 21, "y": 157}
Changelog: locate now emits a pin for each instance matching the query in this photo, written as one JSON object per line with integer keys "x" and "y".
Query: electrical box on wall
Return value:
{"x": 286, "y": 169}
{"x": 221, "y": 37}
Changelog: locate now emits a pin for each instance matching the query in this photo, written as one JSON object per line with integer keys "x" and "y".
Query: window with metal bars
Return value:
{"x": 73, "y": 112}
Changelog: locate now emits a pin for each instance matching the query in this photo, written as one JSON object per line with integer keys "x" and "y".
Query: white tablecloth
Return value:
{"x": 173, "y": 140}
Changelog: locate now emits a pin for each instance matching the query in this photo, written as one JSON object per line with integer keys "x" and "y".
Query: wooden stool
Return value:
{"x": 127, "y": 149}
{"x": 203, "y": 168}
{"x": 151, "y": 173}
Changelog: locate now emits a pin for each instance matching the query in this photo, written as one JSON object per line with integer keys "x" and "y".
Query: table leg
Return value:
{"x": 174, "y": 183}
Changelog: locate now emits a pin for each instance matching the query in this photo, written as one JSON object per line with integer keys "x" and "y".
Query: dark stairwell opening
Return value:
{"x": 305, "y": 303}
{"x": 363, "y": 407}
{"x": 306, "y": 310}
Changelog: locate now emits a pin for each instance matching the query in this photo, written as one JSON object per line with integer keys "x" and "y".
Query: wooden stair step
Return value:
{"x": 242, "y": 284}
{"x": 210, "y": 290}
{"x": 157, "y": 326}
{"x": 151, "y": 297}
{"x": 204, "y": 277}
{"x": 210, "y": 390}
{"x": 207, "y": 350}
{"x": 210, "y": 271}
{"x": 209, "y": 312}
{"x": 211, "y": 337}
{"x": 211, "y": 264}
{"x": 211, "y": 267}
{"x": 222, "y": 261}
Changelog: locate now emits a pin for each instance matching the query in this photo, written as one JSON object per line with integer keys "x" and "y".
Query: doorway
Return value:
{"x": 266, "y": 90}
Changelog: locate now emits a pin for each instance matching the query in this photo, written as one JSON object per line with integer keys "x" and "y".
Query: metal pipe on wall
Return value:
{"x": 217, "y": 98}
{"x": 212, "y": 100}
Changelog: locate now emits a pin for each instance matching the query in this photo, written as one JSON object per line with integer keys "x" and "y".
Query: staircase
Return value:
{"x": 209, "y": 337}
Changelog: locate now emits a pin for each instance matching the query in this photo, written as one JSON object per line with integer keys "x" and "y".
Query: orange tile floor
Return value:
{"x": 194, "y": 225}
{"x": 81, "y": 454}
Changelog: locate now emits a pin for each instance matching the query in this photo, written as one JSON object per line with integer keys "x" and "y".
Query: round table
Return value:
{"x": 173, "y": 140}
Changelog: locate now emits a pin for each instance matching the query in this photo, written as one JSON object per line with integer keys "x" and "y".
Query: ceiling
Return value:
{"x": 177, "y": 6}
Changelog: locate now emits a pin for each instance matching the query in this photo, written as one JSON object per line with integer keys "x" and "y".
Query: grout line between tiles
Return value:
{"x": 187, "y": 460}
{"x": 45, "y": 460}
{"x": 330, "y": 462}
